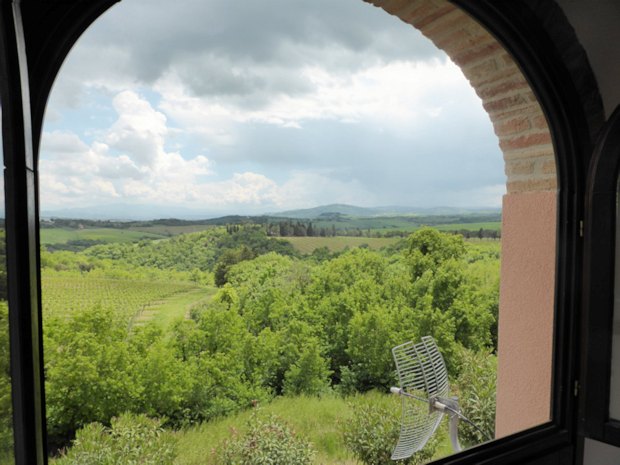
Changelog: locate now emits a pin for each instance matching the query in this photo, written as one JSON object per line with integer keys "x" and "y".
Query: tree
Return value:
{"x": 228, "y": 259}
{"x": 309, "y": 374}
{"x": 90, "y": 370}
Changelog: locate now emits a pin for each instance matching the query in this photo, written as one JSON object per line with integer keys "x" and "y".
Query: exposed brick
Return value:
{"x": 539, "y": 122}
{"x": 507, "y": 103}
{"x": 548, "y": 167}
{"x": 502, "y": 88}
{"x": 523, "y": 142}
{"x": 412, "y": 10}
{"x": 476, "y": 54}
{"x": 503, "y": 72}
{"x": 520, "y": 167}
{"x": 442, "y": 25}
{"x": 459, "y": 40}
{"x": 530, "y": 185}
{"x": 423, "y": 21}
{"x": 481, "y": 70}
{"x": 507, "y": 58}
{"x": 395, "y": 7}
{"x": 512, "y": 126}
{"x": 539, "y": 152}
{"x": 380, "y": 3}
{"x": 530, "y": 109}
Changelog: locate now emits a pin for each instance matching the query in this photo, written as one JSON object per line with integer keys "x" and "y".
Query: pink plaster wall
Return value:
{"x": 526, "y": 311}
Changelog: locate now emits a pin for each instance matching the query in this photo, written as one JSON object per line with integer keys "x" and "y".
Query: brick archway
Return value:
{"x": 527, "y": 292}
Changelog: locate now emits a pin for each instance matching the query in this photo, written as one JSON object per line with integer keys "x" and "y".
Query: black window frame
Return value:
{"x": 34, "y": 45}
{"x": 599, "y": 282}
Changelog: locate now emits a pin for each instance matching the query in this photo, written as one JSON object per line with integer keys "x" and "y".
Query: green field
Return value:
{"x": 403, "y": 223}
{"x": 318, "y": 419}
{"x": 174, "y": 307}
{"x": 64, "y": 235}
{"x": 163, "y": 230}
{"x": 491, "y": 225}
{"x": 307, "y": 245}
{"x": 63, "y": 294}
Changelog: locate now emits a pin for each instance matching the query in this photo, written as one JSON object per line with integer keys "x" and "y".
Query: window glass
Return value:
{"x": 241, "y": 217}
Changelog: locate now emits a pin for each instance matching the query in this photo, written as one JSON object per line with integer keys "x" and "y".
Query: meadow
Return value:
{"x": 103, "y": 235}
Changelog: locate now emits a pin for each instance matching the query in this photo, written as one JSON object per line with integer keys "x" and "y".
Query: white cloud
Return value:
{"x": 133, "y": 165}
{"x": 309, "y": 189}
{"x": 131, "y": 161}
{"x": 139, "y": 132}
{"x": 396, "y": 95}
{"x": 299, "y": 109}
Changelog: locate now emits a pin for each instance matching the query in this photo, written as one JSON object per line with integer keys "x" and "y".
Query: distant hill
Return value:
{"x": 334, "y": 212}
{"x": 326, "y": 210}
{"x": 338, "y": 209}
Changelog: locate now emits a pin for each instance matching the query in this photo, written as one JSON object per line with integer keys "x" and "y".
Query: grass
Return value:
{"x": 306, "y": 245}
{"x": 319, "y": 420}
{"x": 491, "y": 225}
{"x": 168, "y": 310}
{"x": 163, "y": 230}
{"x": 62, "y": 235}
{"x": 488, "y": 245}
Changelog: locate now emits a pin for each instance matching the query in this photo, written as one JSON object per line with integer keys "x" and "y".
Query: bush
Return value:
{"x": 6, "y": 411}
{"x": 372, "y": 433}
{"x": 132, "y": 439}
{"x": 477, "y": 385}
{"x": 267, "y": 441}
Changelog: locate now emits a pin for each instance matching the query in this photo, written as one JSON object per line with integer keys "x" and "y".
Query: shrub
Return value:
{"x": 6, "y": 414}
{"x": 131, "y": 439}
{"x": 477, "y": 385}
{"x": 372, "y": 433}
{"x": 267, "y": 441}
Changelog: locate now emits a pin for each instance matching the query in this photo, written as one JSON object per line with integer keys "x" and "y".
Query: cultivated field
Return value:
{"x": 62, "y": 235}
{"x": 307, "y": 245}
{"x": 63, "y": 294}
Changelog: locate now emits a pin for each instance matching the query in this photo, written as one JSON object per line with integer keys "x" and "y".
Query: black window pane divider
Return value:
{"x": 21, "y": 226}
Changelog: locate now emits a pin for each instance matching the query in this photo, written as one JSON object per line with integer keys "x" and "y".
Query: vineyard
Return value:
{"x": 63, "y": 295}
{"x": 103, "y": 235}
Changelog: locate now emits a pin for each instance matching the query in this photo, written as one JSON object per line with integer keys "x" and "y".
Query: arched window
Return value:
{"x": 570, "y": 136}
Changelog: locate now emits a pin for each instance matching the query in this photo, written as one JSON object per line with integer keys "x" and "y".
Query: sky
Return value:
{"x": 212, "y": 107}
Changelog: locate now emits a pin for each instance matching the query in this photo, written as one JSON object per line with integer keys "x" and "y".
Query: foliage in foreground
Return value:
{"x": 6, "y": 415}
{"x": 278, "y": 326}
{"x": 318, "y": 419}
{"x": 267, "y": 441}
{"x": 477, "y": 392}
{"x": 372, "y": 433}
{"x": 131, "y": 439}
